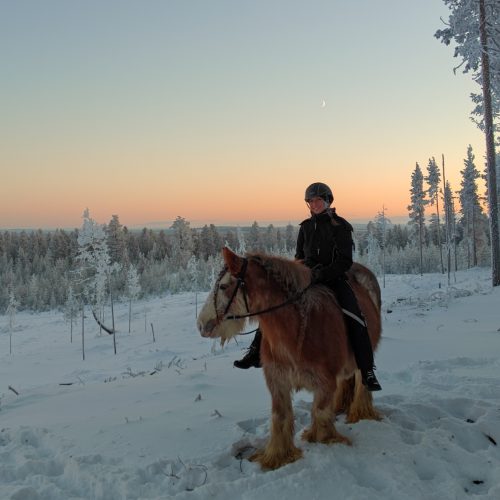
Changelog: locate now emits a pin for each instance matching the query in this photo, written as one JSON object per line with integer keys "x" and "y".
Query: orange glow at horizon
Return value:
{"x": 228, "y": 196}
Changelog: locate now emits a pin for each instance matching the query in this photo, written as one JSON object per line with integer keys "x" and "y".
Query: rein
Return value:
{"x": 241, "y": 284}
{"x": 291, "y": 300}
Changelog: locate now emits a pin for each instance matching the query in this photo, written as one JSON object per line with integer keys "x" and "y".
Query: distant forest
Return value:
{"x": 42, "y": 270}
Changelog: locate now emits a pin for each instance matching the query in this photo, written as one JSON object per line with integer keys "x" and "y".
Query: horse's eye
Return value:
{"x": 224, "y": 286}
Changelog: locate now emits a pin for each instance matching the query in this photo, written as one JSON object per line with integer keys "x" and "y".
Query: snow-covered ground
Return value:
{"x": 174, "y": 419}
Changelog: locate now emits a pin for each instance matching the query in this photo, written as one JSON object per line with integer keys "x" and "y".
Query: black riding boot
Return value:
{"x": 358, "y": 334}
{"x": 363, "y": 353}
{"x": 252, "y": 357}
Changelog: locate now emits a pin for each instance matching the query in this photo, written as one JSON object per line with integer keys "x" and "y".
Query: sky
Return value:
{"x": 223, "y": 112}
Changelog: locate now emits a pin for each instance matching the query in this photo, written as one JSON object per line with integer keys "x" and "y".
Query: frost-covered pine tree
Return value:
{"x": 116, "y": 241}
{"x": 93, "y": 259}
{"x": 416, "y": 210}
{"x": 254, "y": 238}
{"x": 193, "y": 273}
{"x": 474, "y": 28}
{"x": 11, "y": 313}
{"x": 433, "y": 180}
{"x": 373, "y": 252}
{"x": 290, "y": 239}
{"x": 450, "y": 227}
{"x": 242, "y": 245}
{"x": 71, "y": 310}
{"x": 381, "y": 224}
{"x": 94, "y": 267}
{"x": 182, "y": 242}
{"x": 471, "y": 209}
{"x": 133, "y": 290}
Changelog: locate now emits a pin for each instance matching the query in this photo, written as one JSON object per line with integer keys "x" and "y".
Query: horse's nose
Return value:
{"x": 206, "y": 329}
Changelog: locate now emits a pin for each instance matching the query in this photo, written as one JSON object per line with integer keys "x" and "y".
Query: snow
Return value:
{"x": 174, "y": 419}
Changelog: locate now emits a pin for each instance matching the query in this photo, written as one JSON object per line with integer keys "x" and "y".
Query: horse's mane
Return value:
{"x": 290, "y": 277}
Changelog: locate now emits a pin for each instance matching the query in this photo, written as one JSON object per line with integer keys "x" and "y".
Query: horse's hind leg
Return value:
{"x": 322, "y": 428}
{"x": 280, "y": 448}
{"x": 344, "y": 395}
{"x": 361, "y": 407}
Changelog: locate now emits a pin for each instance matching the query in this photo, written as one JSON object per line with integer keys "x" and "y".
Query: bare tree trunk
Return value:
{"x": 455, "y": 245}
{"x": 439, "y": 234}
{"x": 113, "y": 321}
{"x": 421, "y": 248}
{"x": 129, "y": 313}
{"x": 447, "y": 223}
{"x": 474, "y": 243}
{"x": 490, "y": 148}
{"x": 83, "y": 331}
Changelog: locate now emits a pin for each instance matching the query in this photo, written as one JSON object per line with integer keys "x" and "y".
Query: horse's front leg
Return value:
{"x": 322, "y": 428}
{"x": 280, "y": 448}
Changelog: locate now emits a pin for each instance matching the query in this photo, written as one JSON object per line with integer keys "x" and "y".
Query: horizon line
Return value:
{"x": 197, "y": 224}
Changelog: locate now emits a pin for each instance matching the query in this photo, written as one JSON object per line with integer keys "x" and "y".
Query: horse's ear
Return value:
{"x": 233, "y": 261}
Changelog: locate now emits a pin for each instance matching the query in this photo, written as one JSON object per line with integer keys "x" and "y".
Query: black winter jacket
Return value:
{"x": 325, "y": 245}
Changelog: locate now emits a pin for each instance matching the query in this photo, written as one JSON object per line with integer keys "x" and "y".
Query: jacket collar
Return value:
{"x": 324, "y": 216}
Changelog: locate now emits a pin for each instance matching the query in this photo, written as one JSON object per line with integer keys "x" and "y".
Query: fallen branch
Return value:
{"x": 104, "y": 327}
{"x": 13, "y": 390}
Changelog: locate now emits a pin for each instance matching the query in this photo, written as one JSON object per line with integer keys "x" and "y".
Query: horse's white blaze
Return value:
{"x": 209, "y": 325}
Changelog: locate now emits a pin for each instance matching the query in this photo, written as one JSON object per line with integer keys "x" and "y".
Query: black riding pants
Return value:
{"x": 357, "y": 332}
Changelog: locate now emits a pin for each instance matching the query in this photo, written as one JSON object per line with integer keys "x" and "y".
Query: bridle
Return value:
{"x": 240, "y": 283}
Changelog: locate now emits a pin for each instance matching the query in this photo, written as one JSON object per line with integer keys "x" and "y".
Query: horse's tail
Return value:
{"x": 368, "y": 281}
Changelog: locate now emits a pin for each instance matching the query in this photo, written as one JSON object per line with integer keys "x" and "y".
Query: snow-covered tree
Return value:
{"x": 473, "y": 26}
{"x": 290, "y": 238}
{"x": 416, "y": 209}
{"x": 182, "y": 242}
{"x": 463, "y": 27}
{"x": 254, "y": 242}
{"x": 11, "y": 313}
{"x": 433, "y": 180}
{"x": 116, "y": 241}
{"x": 373, "y": 252}
{"x": 71, "y": 310}
{"x": 471, "y": 208}
{"x": 133, "y": 290}
{"x": 193, "y": 272}
{"x": 95, "y": 269}
{"x": 93, "y": 259}
{"x": 450, "y": 228}
{"x": 382, "y": 224}
{"x": 242, "y": 245}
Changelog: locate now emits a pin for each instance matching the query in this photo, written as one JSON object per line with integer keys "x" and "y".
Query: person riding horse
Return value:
{"x": 324, "y": 244}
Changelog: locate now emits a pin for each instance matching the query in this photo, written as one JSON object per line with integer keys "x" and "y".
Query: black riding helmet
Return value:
{"x": 319, "y": 189}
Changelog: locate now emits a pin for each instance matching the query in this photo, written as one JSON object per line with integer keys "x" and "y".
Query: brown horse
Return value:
{"x": 304, "y": 344}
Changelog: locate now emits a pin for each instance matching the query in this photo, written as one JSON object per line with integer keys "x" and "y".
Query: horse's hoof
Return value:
{"x": 330, "y": 438}
{"x": 309, "y": 436}
{"x": 272, "y": 462}
{"x": 338, "y": 438}
{"x": 354, "y": 417}
{"x": 257, "y": 456}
